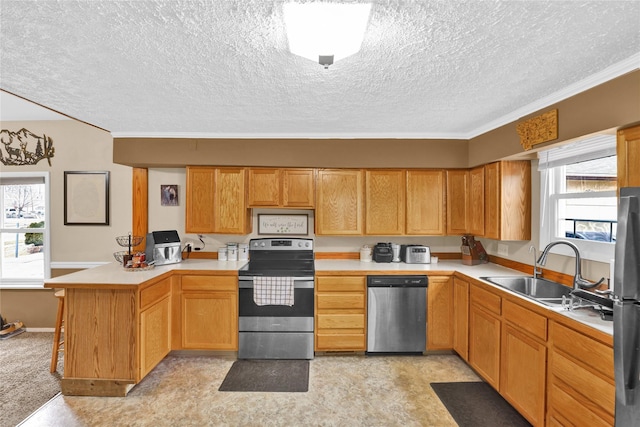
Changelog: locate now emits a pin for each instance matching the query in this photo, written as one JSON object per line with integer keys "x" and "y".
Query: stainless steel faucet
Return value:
{"x": 536, "y": 271}
{"x": 578, "y": 280}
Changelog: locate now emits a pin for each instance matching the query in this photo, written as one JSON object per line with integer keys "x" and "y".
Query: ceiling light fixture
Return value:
{"x": 325, "y": 32}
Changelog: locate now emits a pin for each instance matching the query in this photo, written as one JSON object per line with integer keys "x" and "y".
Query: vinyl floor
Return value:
{"x": 345, "y": 390}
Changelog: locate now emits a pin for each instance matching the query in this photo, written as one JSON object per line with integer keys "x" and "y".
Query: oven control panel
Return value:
{"x": 281, "y": 244}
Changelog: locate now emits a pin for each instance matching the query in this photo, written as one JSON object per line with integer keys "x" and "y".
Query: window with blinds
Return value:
{"x": 578, "y": 195}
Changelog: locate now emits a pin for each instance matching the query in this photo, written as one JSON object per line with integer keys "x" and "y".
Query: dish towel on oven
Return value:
{"x": 273, "y": 290}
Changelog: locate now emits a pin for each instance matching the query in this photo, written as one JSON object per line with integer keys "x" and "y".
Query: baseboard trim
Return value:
{"x": 40, "y": 329}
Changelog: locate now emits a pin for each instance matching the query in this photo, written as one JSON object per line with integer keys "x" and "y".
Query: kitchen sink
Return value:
{"x": 541, "y": 290}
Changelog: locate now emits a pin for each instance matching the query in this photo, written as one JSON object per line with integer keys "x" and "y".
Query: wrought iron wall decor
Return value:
{"x": 24, "y": 147}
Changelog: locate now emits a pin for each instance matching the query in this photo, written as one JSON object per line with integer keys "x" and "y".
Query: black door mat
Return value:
{"x": 267, "y": 375}
{"x": 477, "y": 404}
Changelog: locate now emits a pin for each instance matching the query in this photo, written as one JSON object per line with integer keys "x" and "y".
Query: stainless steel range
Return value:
{"x": 276, "y": 300}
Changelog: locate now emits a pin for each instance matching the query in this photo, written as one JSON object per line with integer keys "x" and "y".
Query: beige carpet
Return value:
{"x": 25, "y": 381}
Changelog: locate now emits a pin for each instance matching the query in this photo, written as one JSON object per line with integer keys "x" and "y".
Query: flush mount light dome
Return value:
{"x": 325, "y": 32}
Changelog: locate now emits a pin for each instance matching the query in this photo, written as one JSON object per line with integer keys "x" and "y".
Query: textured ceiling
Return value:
{"x": 427, "y": 69}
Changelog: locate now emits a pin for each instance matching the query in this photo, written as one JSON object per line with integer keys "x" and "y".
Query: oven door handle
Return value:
{"x": 298, "y": 283}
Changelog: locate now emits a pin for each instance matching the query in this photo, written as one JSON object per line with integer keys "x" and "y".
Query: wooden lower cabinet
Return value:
{"x": 461, "y": 317}
{"x": 209, "y": 312}
{"x": 581, "y": 387}
{"x": 523, "y": 361}
{"x": 155, "y": 334}
{"x": 440, "y": 313}
{"x": 340, "y": 322}
{"x": 484, "y": 334}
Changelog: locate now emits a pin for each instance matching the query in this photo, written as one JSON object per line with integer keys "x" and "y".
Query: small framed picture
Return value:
{"x": 86, "y": 198}
{"x": 169, "y": 195}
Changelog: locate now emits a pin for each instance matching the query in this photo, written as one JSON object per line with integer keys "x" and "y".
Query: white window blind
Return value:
{"x": 580, "y": 151}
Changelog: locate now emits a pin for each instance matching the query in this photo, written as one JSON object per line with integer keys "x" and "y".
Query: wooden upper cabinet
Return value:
{"x": 264, "y": 187}
{"x": 425, "y": 202}
{"x": 508, "y": 200}
{"x": 385, "y": 202}
{"x": 230, "y": 212}
{"x": 628, "y": 151}
{"x": 272, "y": 187}
{"x": 457, "y": 201}
{"x": 298, "y": 188}
{"x": 476, "y": 201}
{"x": 339, "y": 203}
{"x": 199, "y": 199}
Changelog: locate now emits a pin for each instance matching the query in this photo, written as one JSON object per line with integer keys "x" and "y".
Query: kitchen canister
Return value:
{"x": 366, "y": 254}
{"x": 222, "y": 254}
{"x": 243, "y": 252}
{"x": 232, "y": 251}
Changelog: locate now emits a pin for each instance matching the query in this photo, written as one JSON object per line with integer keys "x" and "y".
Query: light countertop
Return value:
{"x": 114, "y": 274}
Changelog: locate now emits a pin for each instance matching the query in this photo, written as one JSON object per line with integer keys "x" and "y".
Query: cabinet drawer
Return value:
{"x": 598, "y": 356}
{"x": 331, "y": 342}
{"x": 341, "y": 283}
{"x": 564, "y": 410}
{"x": 526, "y": 319}
{"x": 485, "y": 299}
{"x": 590, "y": 390}
{"x": 209, "y": 283}
{"x": 341, "y": 321}
{"x": 340, "y": 301}
{"x": 153, "y": 293}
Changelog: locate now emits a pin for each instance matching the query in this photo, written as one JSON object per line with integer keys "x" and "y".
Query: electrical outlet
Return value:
{"x": 503, "y": 250}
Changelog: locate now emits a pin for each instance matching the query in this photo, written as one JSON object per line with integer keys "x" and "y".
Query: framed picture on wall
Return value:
{"x": 86, "y": 198}
{"x": 169, "y": 195}
{"x": 290, "y": 225}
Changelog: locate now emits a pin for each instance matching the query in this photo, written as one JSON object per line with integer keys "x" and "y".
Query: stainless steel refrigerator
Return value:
{"x": 626, "y": 309}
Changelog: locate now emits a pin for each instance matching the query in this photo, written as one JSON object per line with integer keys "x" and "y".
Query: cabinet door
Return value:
{"x": 298, "y": 188}
{"x": 508, "y": 200}
{"x": 523, "y": 373}
{"x": 199, "y": 200}
{"x": 484, "y": 344}
{"x": 339, "y": 202}
{"x": 492, "y": 200}
{"x": 628, "y": 151}
{"x": 440, "y": 313}
{"x": 385, "y": 202}
{"x": 210, "y": 320}
{"x": 231, "y": 215}
{"x": 461, "y": 317}
{"x": 155, "y": 334}
{"x": 264, "y": 187}
{"x": 457, "y": 201}
{"x": 476, "y": 201}
{"x": 425, "y": 202}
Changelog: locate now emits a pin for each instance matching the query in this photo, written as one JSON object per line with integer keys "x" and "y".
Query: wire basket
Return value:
{"x": 129, "y": 241}
{"x": 119, "y": 255}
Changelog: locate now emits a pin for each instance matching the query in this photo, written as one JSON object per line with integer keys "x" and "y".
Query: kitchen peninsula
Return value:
{"x": 119, "y": 325}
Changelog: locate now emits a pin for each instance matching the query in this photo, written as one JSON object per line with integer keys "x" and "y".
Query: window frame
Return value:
{"x": 17, "y": 283}
{"x": 551, "y": 193}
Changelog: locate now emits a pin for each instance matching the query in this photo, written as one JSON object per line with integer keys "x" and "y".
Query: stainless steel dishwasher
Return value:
{"x": 397, "y": 314}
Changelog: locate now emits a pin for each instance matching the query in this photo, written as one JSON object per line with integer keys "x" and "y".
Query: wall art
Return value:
{"x": 292, "y": 225}
{"x": 539, "y": 129}
{"x": 169, "y": 195}
{"x": 24, "y": 147}
{"x": 86, "y": 198}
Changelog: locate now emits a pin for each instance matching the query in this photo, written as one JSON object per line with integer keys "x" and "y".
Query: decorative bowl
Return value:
{"x": 124, "y": 240}
{"x": 118, "y": 255}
